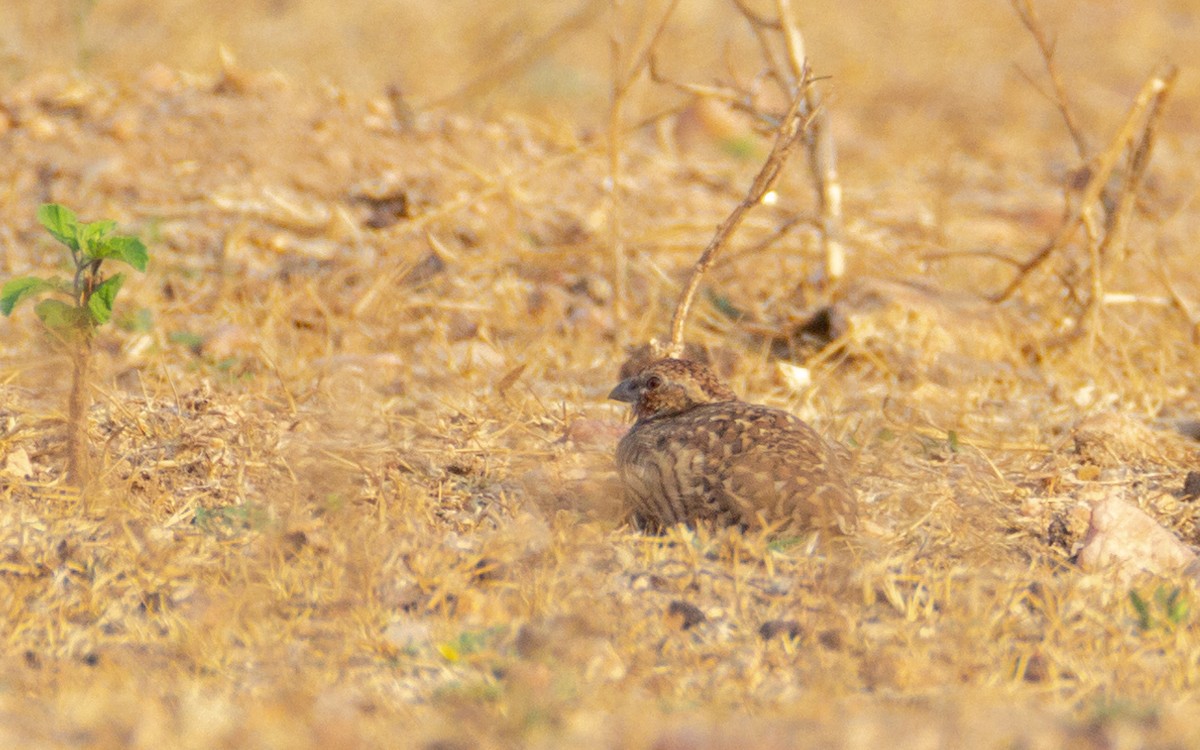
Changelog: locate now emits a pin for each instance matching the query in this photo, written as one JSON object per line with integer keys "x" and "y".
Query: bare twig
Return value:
{"x": 789, "y": 134}
{"x": 1030, "y": 20}
{"x": 1148, "y": 102}
{"x": 1117, "y": 221}
{"x": 1090, "y": 316}
{"x": 992, "y": 254}
{"x": 755, "y": 19}
{"x": 1177, "y": 301}
{"x": 818, "y": 141}
{"x": 738, "y": 100}
{"x": 793, "y": 41}
{"x": 822, "y": 161}
{"x": 1116, "y": 225}
{"x": 616, "y": 234}
{"x": 783, "y": 52}
{"x": 780, "y": 232}
{"x": 507, "y": 69}
{"x": 643, "y": 58}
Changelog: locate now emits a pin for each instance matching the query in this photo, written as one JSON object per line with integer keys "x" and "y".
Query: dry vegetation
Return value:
{"x": 354, "y": 482}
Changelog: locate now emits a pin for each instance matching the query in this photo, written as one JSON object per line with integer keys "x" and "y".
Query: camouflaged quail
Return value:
{"x": 697, "y": 453}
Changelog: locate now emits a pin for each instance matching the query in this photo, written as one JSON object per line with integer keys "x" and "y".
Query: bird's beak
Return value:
{"x": 625, "y": 391}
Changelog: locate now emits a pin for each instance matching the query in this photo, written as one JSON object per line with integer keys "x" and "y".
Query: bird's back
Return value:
{"x": 734, "y": 462}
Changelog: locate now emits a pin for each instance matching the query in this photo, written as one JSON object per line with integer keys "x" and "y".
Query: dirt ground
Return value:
{"x": 352, "y": 454}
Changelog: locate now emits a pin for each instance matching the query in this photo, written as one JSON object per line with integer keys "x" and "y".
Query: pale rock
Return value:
{"x": 17, "y": 464}
{"x": 1123, "y": 537}
{"x": 407, "y": 634}
{"x": 589, "y": 433}
{"x": 793, "y": 376}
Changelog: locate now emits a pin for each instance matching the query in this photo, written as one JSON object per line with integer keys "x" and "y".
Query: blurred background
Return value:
{"x": 885, "y": 59}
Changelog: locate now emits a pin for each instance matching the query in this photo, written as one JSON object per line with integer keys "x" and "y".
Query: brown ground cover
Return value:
{"x": 354, "y": 481}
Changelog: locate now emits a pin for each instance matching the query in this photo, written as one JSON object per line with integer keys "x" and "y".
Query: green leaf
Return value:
{"x": 19, "y": 289}
{"x": 783, "y": 543}
{"x": 60, "y": 317}
{"x": 740, "y": 147}
{"x": 60, "y": 221}
{"x": 127, "y": 249}
{"x": 724, "y": 305}
{"x": 1176, "y": 606}
{"x": 92, "y": 236}
{"x": 1179, "y": 611}
{"x": 100, "y": 303}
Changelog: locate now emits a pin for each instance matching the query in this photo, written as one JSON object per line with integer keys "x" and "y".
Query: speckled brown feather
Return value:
{"x": 697, "y": 453}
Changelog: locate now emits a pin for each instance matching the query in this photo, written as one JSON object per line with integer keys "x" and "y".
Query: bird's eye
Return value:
{"x": 653, "y": 382}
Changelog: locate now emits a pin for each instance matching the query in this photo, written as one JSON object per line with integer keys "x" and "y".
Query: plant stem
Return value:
{"x": 77, "y": 409}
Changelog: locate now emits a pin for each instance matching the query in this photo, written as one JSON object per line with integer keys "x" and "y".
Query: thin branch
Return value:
{"x": 1118, "y": 220}
{"x": 1148, "y": 100}
{"x": 616, "y": 233}
{"x": 786, "y": 138}
{"x": 506, "y": 69}
{"x": 1030, "y": 20}
{"x": 1176, "y": 299}
{"x": 1103, "y": 244}
{"x": 822, "y": 154}
{"x": 732, "y": 97}
{"x": 643, "y": 59}
{"x": 755, "y": 19}
{"x": 991, "y": 254}
{"x": 794, "y": 43}
{"x": 764, "y": 244}
{"x": 1090, "y": 316}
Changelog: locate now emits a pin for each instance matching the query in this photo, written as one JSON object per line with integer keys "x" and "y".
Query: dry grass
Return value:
{"x": 355, "y": 481}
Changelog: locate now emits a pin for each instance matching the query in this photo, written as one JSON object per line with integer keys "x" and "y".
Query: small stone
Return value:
{"x": 585, "y": 432}
{"x": 830, "y": 639}
{"x": 684, "y": 615}
{"x": 1059, "y": 533}
{"x": 1191, "y": 485}
{"x": 488, "y": 569}
{"x": 407, "y": 635}
{"x": 1036, "y": 668}
{"x": 780, "y": 629}
{"x": 17, "y": 464}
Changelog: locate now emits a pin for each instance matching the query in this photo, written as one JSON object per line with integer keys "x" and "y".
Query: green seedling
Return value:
{"x": 952, "y": 441}
{"x": 72, "y": 309}
{"x": 1167, "y": 609}
{"x": 782, "y": 544}
{"x": 468, "y": 642}
{"x": 231, "y": 518}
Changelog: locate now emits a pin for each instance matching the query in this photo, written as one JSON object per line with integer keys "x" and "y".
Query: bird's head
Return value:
{"x": 670, "y": 386}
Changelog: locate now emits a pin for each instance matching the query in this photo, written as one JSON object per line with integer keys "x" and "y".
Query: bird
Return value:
{"x": 697, "y": 453}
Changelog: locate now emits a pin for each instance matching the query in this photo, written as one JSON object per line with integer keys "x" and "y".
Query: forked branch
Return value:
{"x": 1140, "y": 123}
{"x": 1033, "y": 24}
{"x": 789, "y": 133}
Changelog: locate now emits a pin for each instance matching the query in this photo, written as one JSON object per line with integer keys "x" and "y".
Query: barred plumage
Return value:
{"x": 697, "y": 453}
